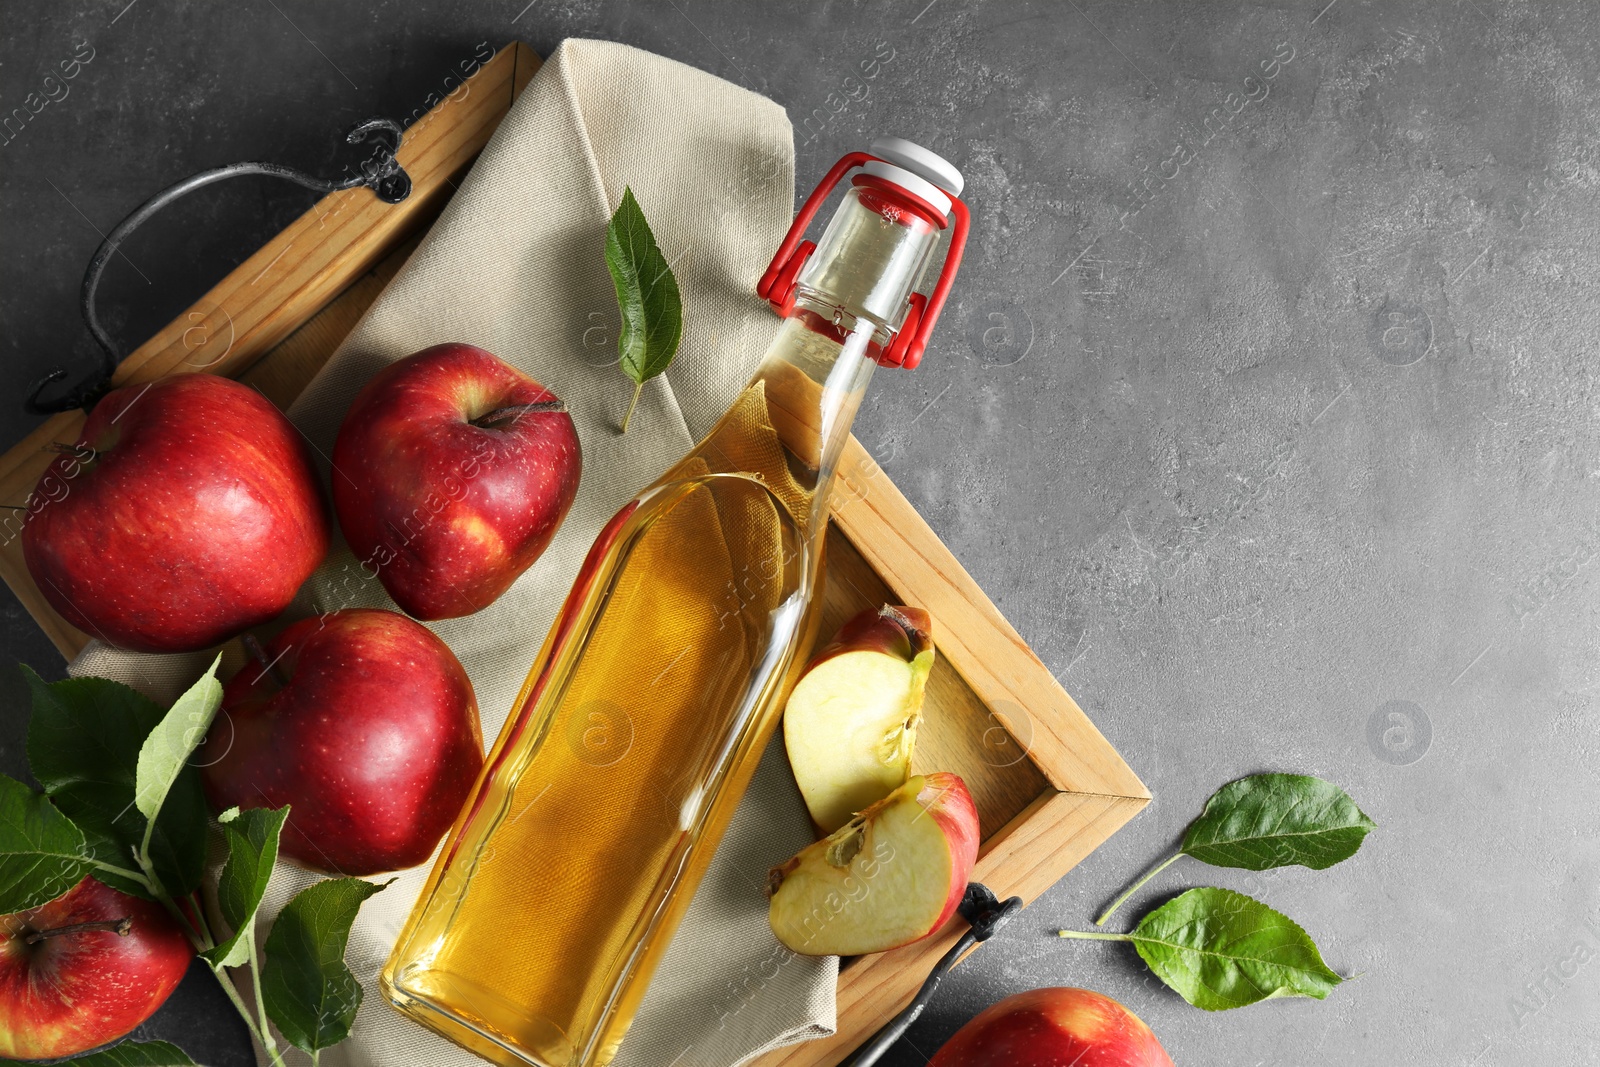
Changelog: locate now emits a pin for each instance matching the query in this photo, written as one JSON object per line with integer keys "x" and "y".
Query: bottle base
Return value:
{"x": 542, "y": 1044}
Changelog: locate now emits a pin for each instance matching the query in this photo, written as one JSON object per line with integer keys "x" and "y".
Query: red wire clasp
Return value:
{"x": 777, "y": 286}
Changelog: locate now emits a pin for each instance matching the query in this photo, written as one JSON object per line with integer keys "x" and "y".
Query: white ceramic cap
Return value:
{"x": 929, "y": 166}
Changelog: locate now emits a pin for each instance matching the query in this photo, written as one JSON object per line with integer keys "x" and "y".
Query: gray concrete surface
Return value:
{"x": 1266, "y": 410}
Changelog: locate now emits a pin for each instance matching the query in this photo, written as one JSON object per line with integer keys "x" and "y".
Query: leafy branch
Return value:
{"x": 123, "y": 803}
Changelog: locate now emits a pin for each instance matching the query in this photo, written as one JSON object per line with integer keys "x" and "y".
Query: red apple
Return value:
{"x": 365, "y": 724}
{"x": 1049, "y": 1027}
{"x": 851, "y": 720}
{"x": 187, "y": 513}
{"x": 892, "y": 875}
{"x": 83, "y": 970}
{"x": 452, "y": 472}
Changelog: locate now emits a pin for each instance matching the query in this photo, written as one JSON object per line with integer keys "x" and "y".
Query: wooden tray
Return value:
{"x": 1048, "y": 786}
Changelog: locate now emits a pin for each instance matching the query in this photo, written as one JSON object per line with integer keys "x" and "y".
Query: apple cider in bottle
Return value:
{"x": 664, "y": 674}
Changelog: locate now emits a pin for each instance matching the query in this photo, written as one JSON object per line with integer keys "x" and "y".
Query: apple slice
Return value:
{"x": 888, "y": 877}
{"x": 852, "y": 719}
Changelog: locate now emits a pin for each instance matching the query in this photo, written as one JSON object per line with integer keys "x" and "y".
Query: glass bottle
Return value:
{"x": 663, "y": 676}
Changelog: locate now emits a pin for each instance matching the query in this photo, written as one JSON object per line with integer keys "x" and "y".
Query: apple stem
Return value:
{"x": 898, "y": 617}
{"x": 120, "y": 927}
{"x": 637, "y": 389}
{"x": 1135, "y": 887}
{"x": 516, "y": 411}
{"x": 269, "y": 667}
{"x": 83, "y": 452}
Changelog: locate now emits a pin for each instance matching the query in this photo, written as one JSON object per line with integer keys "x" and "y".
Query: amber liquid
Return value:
{"x": 636, "y": 733}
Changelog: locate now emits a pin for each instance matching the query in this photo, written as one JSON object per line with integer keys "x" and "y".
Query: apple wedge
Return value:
{"x": 851, "y": 721}
{"x": 892, "y": 875}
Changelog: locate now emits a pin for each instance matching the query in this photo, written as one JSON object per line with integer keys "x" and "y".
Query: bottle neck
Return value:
{"x": 849, "y": 300}
{"x": 814, "y": 377}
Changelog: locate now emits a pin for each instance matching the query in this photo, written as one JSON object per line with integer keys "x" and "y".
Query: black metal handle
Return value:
{"x": 381, "y": 173}
{"x": 985, "y": 914}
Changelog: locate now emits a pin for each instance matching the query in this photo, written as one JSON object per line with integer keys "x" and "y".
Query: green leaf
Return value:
{"x": 132, "y": 1054}
{"x": 1274, "y": 820}
{"x": 42, "y": 854}
{"x": 647, "y": 297}
{"x": 310, "y": 994}
{"x": 252, "y": 838}
{"x": 165, "y": 753}
{"x": 83, "y": 746}
{"x": 1265, "y": 821}
{"x": 1219, "y": 949}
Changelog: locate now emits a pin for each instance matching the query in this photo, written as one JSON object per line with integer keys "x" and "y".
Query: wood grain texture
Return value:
{"x": 284, "y": 372}
{"x": 273, "y": 293}
{"x": 1048, "y": 786}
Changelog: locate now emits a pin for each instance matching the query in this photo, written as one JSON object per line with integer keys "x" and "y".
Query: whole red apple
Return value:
{"x": 452, "y": 472}
{"x": 365, "y": 724}
{"x": 1048, "y": 1027}
{"x": 83, "y": 970}
{"x": 187, "y": 513}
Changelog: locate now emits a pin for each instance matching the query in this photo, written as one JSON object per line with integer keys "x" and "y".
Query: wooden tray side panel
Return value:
{"x": 900, "y": 547}
{"x": 282, "y": 374}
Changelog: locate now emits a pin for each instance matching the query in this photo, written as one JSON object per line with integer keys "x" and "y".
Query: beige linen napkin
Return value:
{"x": 516, "y": 266}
